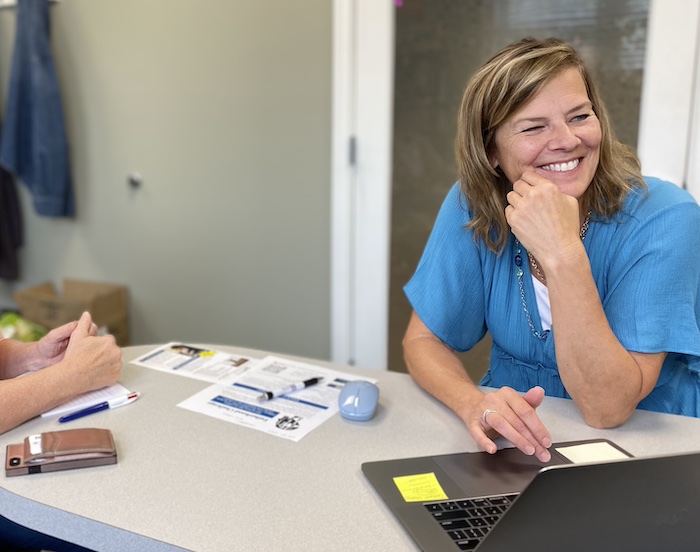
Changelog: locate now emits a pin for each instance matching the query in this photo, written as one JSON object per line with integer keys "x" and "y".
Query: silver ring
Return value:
{"x": 486, "y": 413}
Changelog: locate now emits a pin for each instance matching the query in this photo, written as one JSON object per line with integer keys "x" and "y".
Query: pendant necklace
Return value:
{"x": 539, "y": 274}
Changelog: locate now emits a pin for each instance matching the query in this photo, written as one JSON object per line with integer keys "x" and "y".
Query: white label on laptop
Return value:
{"x": 591, "y": 452}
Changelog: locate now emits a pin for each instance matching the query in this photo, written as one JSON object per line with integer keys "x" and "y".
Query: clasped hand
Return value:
{"x": 507, "y": 413}
{"x": 94, "y": 361}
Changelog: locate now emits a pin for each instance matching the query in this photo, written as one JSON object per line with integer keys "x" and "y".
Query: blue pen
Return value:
{"x": 112, "y": 403}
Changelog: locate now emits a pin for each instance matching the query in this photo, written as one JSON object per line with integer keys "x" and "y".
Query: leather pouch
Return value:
{"x": 61, "y": 450}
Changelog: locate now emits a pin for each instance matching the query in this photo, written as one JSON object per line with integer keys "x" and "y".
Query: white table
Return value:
{"x": 188, "y": 481}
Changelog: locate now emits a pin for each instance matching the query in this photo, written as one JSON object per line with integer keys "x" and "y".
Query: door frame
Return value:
{"x": 363, "y": 89}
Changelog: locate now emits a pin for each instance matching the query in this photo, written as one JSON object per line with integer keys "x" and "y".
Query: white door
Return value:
{"x": 669, "y": 134}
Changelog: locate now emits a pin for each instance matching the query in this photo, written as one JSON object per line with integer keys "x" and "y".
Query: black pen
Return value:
{"x": 267, "y": 395}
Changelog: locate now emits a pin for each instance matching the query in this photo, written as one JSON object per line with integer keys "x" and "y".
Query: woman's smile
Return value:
{"x": 556, "y": 134}
{"x": 561, "y": 167}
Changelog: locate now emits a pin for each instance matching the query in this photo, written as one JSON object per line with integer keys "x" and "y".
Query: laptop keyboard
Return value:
{"x": 468, "y": 521}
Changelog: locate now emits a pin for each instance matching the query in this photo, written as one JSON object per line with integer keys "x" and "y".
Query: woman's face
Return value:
{"x": 556, "y": 134}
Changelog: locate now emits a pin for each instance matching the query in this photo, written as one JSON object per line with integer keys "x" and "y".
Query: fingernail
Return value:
{"x": 546, "y": 442}
{"x": 530, "y": 450}
{"x": 545, "y": 456}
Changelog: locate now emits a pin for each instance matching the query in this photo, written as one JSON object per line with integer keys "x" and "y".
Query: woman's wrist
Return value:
{"x": 13, "y": 358}
{"x": 469, "y": 401}
{"x": 23, "y": 357}
{"x": 33, "y": 360}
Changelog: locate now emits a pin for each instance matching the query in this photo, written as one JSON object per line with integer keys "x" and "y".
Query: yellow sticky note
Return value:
{"x": 420, "y": 488}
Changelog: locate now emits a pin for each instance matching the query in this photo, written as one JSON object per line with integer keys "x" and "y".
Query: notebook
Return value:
{"x": 592, "y": 495}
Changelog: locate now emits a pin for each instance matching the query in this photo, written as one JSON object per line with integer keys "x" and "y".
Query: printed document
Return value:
{"x": 90, "y": 398}
{"x": 196, "y": 362}
{"x": 290, "y": 416}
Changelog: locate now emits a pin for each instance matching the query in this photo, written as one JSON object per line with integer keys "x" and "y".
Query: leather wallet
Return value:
{"x": 61, "y": 450}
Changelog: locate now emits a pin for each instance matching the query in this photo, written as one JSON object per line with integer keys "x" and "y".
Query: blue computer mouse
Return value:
{"x": 358, "y": 400}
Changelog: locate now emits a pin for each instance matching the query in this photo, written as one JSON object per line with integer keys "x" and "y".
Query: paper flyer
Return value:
{"x": 196, "y": 362}
{"x": 291, "y": 416}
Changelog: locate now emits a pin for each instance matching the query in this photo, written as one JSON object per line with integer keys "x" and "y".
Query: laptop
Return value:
{"x": 592, "y": 495}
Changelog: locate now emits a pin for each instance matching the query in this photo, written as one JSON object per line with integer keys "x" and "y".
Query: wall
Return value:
{"x": 224, "y": 108}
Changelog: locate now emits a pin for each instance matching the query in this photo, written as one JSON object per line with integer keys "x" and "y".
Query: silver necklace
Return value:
{"x": 540, "y": 275}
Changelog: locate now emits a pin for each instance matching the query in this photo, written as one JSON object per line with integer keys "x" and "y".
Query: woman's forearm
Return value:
{"x": 436, "y": 368}
{"x": 24, "y": 398}
{"x": 606, "y": 381}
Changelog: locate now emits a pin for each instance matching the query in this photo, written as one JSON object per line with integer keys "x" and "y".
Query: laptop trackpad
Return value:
{"x": 483, "y": 474}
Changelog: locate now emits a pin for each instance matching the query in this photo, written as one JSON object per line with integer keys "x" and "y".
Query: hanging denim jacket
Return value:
{"x": 34, "y": 146}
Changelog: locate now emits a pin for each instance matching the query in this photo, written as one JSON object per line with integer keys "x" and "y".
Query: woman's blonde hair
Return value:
{"x": 503, "y": 85}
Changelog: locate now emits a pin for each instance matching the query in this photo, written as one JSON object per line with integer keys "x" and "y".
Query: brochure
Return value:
{"x": 196, "y": 362}
{"x": 278, "y": 396}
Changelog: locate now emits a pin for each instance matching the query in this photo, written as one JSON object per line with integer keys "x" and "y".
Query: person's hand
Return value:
{"x": 94, "y": 360}
{"x": 543, "y": 218}
{"x": 51, "y": 348}
{"x": 511, "y": 415}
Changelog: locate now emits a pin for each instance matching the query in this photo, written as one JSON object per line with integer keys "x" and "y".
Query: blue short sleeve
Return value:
{"x": 447, "y": 289}
{"x": 652, "y": 288}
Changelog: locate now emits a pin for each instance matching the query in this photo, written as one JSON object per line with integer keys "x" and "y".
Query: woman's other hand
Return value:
{"x": 513, "y": 416}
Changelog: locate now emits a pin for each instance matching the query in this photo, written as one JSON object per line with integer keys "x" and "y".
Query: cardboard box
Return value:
{"x": 107, "y": 303}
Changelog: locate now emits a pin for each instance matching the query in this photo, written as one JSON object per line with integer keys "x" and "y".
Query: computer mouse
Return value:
{"x": 358, "y": 400}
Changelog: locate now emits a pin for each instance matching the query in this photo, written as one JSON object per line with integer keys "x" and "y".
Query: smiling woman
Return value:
{"x": 546, "y": 105}
{"x": 596, "y": 318}
{"x": 556, "y": 135}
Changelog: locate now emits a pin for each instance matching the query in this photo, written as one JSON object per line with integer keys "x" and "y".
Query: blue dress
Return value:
{"x": 646, "y": 265}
